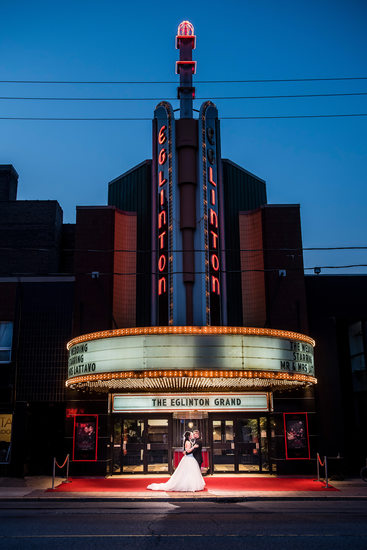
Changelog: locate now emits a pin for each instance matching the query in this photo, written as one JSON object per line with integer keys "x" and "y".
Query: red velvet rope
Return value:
{"x": 65, "y": 461}
{"x": 321, "y": 463}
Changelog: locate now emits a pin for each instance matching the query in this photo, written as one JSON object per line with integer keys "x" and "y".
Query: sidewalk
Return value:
{"x": 35, "y": 488}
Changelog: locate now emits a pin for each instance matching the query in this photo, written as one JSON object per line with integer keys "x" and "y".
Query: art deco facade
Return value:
{"x": 182, "y": 303}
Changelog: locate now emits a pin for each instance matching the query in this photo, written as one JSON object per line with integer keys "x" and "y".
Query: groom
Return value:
{"x": 199, "y": 445}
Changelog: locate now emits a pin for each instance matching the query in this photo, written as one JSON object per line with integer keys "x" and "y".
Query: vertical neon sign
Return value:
{"x": 211, "y": 199}
{"x": 162, "y": 204}
{"x": 162, "y": 213}
{"x": 214, "y": 234}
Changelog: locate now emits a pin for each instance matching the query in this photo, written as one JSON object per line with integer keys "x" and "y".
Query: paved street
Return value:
{"x": 184, "y": 525}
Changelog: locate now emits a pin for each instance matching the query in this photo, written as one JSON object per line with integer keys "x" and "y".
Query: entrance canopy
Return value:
{"x": 190, "y": 358}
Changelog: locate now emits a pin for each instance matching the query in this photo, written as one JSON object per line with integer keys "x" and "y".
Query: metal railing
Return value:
{"x": 322, "y": 464}
{"x": 55, "y": 463}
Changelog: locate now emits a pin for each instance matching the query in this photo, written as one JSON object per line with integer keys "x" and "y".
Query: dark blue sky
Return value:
{"x": 319, "y": 163}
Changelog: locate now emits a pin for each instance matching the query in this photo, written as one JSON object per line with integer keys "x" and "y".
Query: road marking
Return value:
{"x": 177, "y": 536}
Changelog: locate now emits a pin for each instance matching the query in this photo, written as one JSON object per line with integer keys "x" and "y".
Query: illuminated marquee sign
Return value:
{"x": 190, "y": 402}
{"x": 143, "y": 352}
{"x": 162, "y": 243}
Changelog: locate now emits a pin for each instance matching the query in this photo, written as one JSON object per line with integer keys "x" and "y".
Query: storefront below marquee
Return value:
{"x": 152, "y": 444}
{"x": 234, "y": 429}
{"x": 144, "y": 387}
{"x": 241, "y": 434}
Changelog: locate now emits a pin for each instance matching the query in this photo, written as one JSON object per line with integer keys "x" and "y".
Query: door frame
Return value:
{"x": 236, "y": 418}
{"x": 144, "y": 445}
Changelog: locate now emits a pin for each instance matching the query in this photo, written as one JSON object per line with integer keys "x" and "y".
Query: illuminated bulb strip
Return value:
{"x": 244, "y": 331}
{"x": 193, "y": 384}
{"x": 170, "y": 226}
{"x": 192, "y": 374}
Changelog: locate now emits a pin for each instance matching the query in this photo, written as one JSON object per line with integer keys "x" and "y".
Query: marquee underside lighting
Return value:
{"x": 177, "y": 381}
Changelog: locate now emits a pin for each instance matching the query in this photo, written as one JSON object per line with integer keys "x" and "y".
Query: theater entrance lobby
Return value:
{"x": 152, "y": 444}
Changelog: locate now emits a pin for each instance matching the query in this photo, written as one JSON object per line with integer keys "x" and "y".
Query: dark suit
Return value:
{"x": 197, "y": 452}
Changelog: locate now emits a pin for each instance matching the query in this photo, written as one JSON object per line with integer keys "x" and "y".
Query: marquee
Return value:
{"x": 202, "y": 353}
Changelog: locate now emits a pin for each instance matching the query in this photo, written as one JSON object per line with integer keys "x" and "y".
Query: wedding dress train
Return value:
{"x": 186, "y": 477}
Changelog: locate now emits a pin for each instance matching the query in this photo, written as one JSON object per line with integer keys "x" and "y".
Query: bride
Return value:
{"x": 187, "y": 476}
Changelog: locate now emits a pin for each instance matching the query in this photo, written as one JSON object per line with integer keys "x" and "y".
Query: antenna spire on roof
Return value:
{"x": 185, "y": 67}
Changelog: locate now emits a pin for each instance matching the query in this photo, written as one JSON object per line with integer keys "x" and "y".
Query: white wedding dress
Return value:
{"x": 186, "y": 477}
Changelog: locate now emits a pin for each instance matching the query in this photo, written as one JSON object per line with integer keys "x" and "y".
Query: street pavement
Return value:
{"x": 183, "y": 525}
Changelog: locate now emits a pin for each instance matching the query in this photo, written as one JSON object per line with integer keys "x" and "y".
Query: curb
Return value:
{"x": 183, "y": 499}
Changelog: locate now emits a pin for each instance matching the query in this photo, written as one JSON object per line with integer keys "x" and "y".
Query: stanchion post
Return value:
{"x": 317, "y": 467}
{"x": 326, "y": 473}
{"x": 53, "y": 474}
{"x": 66, "y": 461}
{"x": 67, "y": 469}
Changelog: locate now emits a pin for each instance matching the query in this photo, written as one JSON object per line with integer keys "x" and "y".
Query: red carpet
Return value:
{"x": 130, "y": 485}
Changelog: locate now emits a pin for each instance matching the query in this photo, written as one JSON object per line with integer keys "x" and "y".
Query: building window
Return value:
{"x": 356, "y": 346}
{"x": 6, "y": 337}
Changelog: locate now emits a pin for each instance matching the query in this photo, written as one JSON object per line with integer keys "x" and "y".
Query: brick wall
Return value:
{"x": 8, "y": 292}
{"x": 106, "y": 301}
{"x": 124, "y": 281}
{"x": 45, "y": 316}
{"x": 30, "y": 233}
{"x": 94, "y": 243}
{"x": 252, "y": 269}
{"x": 285, "y": 295}
{"x": 8, "y": 183}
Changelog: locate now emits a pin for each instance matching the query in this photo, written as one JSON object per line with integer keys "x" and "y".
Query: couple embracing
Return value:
{"x": 187, "y": 476}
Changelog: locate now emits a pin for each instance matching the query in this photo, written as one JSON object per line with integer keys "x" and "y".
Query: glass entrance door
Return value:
{"x": 132, "y": 446}
{"x": 223, "y": 446}
{"x": 248, "y": 445}
{"x": 157, "y": 445}
{"x": 240, "y": 444}
{"x": 141, "y": 445}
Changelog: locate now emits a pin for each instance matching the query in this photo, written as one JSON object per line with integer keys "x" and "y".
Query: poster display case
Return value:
{"x": 85, "y": 438}
{"x": 297, "y": 443}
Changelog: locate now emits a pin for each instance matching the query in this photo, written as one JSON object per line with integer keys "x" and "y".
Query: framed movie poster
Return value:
{"x": 5, "y": 437}
{"x": 297, "y": 444}
{"x": 85, "y": 437}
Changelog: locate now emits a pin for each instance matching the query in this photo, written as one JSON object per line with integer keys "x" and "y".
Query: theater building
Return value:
{"x": 181, "y": 304}
{"x": 189, "y": 311}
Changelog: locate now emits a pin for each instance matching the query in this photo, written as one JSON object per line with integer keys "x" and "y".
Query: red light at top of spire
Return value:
{"x": 185, "y": 29}
{"x": 186, "y": 32}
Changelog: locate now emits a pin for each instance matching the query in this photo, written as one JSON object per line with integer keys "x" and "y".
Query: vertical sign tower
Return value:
{"x": 188, "y": 241}
{"x": 186, "y": 154}
{"x": 185, "y": 67}
{"x": 209, "y": 240}
{"x": 163, "y": 203}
